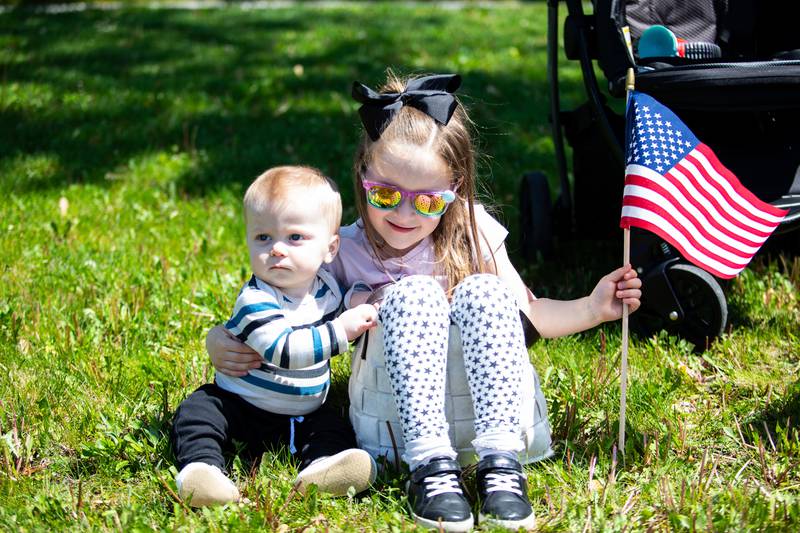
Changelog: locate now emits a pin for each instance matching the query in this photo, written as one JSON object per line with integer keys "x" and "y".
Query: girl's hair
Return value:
{"x": 456, "y": 240}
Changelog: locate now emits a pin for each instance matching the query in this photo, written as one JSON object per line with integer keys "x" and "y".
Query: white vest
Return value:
{"x": 372, "y": 405}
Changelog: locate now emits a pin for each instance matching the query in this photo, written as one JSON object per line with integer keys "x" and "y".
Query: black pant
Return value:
{"x": 211, "y": 418}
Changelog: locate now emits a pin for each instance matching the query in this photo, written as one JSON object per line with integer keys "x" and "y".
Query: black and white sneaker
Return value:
{"x": 503, "y": 493}
{"x": 435, "y": 496}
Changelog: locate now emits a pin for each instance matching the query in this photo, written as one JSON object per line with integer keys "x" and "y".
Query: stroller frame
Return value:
{"x": 677, "y": 296}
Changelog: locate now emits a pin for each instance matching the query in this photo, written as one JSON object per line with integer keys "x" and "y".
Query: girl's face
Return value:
{"x": 412, "y": 168}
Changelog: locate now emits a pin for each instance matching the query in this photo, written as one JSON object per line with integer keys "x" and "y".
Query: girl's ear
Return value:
{"x": 456, "y": 184}
{"x": 333, "y": 249}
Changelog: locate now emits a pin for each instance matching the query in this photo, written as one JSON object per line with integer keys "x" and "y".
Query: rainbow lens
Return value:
{"x": 430, "y": 204}
{"x": 384, "y": 197}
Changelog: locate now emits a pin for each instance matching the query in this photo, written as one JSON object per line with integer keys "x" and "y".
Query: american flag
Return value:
{"x": 676, "y": 188}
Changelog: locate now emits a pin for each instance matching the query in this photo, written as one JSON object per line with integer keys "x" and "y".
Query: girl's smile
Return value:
{"x": 399, "y": 228}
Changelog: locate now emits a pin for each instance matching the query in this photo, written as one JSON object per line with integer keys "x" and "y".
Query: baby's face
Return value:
{"x": 288, "y": 246}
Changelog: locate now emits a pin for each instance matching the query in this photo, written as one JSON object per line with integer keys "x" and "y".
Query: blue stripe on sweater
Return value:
{"x": 268, "y": 352}
{"x": 285, "y": 389}
{"x": 322, "y": 291}
{"x": 317, "y": 345}
{"x": 248, "y": 309}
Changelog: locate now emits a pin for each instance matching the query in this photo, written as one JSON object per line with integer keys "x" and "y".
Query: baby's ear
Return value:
{"x": 333, "y": 249}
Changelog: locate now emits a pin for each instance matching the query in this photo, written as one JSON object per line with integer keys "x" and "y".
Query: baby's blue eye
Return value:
{"x": 295, "y": 237}
{"x": 262, "y": 237}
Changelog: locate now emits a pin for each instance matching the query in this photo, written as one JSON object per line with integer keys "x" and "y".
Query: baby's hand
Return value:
{"x": 614, "y": 289}
{"x": 358, "y": 320}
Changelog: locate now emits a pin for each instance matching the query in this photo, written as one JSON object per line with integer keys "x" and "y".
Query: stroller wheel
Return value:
{"x": 536, "y": 212}
{"x": 695, "y": 309}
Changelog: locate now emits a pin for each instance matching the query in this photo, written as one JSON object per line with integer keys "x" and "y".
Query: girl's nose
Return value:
{"x": 406, "y": 208}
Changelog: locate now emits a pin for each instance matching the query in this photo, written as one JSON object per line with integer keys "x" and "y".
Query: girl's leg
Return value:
{"x": 415, "y": 324}
{"x": 487, "y": 314}
{"x": 495, "y": 355}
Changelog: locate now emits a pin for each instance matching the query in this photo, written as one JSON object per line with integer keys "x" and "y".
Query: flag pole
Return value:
{"x": 626, "y": 258}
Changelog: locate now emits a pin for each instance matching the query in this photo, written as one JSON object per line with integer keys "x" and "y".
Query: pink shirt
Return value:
{"x": 356, "y": 261}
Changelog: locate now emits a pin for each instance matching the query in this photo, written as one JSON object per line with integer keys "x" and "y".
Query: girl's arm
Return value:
{"x": 556, "y": 318}
{"x": 233, "y": 357}
{"x": 229, "y": 355}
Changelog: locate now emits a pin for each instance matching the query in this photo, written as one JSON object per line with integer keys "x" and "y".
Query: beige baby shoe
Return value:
{"x": 337, "y": 473}
{"x": 201, "y": 484}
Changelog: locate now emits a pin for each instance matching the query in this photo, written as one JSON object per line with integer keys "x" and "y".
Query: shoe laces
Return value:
{"x": 435, "y": 485}
{"x": 503, "y": 482}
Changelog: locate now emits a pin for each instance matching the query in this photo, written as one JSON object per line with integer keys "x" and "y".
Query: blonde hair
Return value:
{"x": 274, "y": 188}
{"x": 456, "y": 241}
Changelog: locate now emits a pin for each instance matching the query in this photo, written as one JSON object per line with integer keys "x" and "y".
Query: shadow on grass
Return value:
{"x": 242, "y": 90}
{"x": 778, "y": 422}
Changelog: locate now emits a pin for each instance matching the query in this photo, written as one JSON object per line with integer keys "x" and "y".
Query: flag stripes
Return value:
{"x": 730, "y": 184}
{"x": 707, "y": 219}
{"x": 677, "y": 188}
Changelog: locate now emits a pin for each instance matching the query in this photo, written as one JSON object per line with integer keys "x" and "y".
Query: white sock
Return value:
{"x": 485, "y": 452}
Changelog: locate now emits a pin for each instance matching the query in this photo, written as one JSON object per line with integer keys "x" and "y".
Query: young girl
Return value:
{"x": 422, "y": 231}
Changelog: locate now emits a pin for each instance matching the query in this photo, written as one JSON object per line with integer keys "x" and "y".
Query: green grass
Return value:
{"x": 126, "y": 138}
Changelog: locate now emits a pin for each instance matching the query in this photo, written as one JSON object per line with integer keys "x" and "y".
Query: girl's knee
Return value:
{"x": 481, "y": 286}
{"x": 424, "y": 290}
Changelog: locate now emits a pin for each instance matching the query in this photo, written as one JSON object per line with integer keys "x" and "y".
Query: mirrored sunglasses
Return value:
{"x": 426, "y": 203}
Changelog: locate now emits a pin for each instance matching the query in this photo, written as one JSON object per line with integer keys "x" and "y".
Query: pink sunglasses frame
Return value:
{"x": 447, "y": 195}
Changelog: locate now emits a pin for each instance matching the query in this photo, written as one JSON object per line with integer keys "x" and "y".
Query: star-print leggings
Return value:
{"x": 416, "y": 319}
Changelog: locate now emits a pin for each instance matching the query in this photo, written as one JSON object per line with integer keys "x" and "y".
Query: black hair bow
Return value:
{"x": 433, "y": 95}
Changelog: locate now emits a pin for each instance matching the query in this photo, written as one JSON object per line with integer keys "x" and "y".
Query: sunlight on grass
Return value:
{"x": 26, "y": 96}
{"x": 157, "y": 169}
{"x": 30, "y": 169}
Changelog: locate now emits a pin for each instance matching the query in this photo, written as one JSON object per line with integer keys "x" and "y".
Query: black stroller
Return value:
{"x": 737, "y": 87}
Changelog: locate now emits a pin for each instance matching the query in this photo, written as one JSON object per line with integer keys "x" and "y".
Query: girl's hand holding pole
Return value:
{"x": 229, "y": 355}
{"x": 620, "y": 286}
